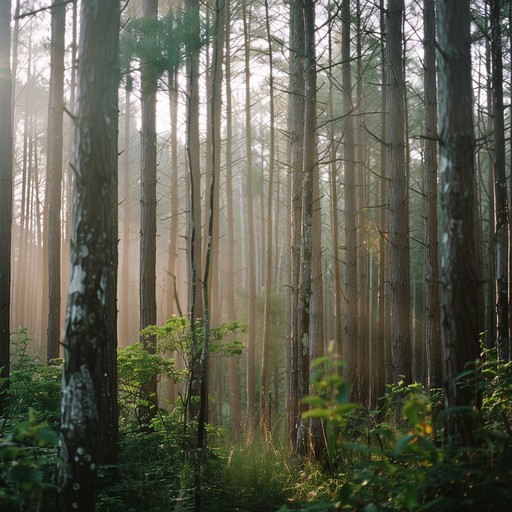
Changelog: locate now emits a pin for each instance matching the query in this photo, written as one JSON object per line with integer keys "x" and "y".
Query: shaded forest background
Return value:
{"x": 252, "y": 259}
{"x": 286, "y": 197}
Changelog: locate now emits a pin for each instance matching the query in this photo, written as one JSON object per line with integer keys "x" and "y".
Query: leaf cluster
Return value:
{"x": 411, "y": 468}
{"x": 27, "y": 461}
{"x": 161, "y": 45}
{"x": 174, "y": 339}
{"x": 176, "y": 335}
{"x": 32, "y": 386}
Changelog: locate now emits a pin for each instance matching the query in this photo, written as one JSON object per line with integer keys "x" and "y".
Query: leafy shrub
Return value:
{"x": 33, "y": 385}
{"x": 27, "y": 462}
{"x": 413, "y": 469}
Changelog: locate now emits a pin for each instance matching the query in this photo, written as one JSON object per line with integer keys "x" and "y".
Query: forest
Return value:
{"x": 255, "y": 255}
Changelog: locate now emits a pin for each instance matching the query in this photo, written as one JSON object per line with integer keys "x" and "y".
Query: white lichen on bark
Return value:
{"x": 78, "y": 401}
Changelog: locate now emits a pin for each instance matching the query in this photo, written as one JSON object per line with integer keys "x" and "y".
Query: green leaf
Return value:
{"x": 314, "y": 401}
{"x": 463, "y": 375}
{"x": 325, "y": 414}
{"x": 411, "y": 497}
{"x": 22, "y": 474}
{"x": 402, "y": 444}
{"x": 321, "y": 506}
{"x": 46, "y": 437}
{"x": 342, "y": 395}
{"x": 411, "y": 411}
{"x": 345, "y": 408}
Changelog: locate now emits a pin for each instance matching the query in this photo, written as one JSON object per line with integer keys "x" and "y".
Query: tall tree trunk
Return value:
{"x": 125, "y": 237}
{"x": 172, "y": 298}
{"x": 195, "y": 299}
{"x": 305, "y": 332}
{"x": 67, "y": 170}
{"x": 432, "y": 326}
{"x": 148, "y": 217}
{"x": 311, "y": 293}
{"x": 333, "y": 181}
{"x": 54, "y": 170}
{"x": 460, "y": 317}
{"x": 363, "y": 338}
{"x": 267, "y": 315}
{"x": 230, "y": 310}
{"x": 6, "y": 175}
{"x": 500, "y": 183}
{"x": 383, "y": 353}
{"x": 215, "y": 295}
{"x": 88, "y": 431}
{"x": 296, "y": 130}
{"x": 26, "y": 180}
{"x": 351, "y": 327}
{"x": 36, "y": 274}
{"x": 251, "y": 256}
{"x": 401, "y": 353}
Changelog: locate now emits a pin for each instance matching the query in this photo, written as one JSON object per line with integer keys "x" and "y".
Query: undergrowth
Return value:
{"x": 372, "y": 460}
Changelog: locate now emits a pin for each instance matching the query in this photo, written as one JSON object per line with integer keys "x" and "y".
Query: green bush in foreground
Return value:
{"x": 374, "y": 460}
{"x": 412, "y": 468}
{"x": 27, "y": 462}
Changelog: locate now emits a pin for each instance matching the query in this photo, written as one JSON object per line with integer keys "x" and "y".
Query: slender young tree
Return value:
{"x": 501, "y": 234}
{"x": 124, "y": 272}
{"x": 311, "y": 252}
{"x": 54, "y": 170}
{"x": 194, "y": 251}
{"x": 334, "y": 191}
{"x": 172, "y": 300}
{"x": 401, "y": 351}
{"x": 351, "y": 326}
{"x": 269, "y": 282}
{"x": 251, "y": 257}
{"x": 67, "y": 170}
{"x": 296, "y": 130}
{"x": 211, "y": 248}
{"x": 148, "y": 213}
{"x": 88, "y": 430}
{"x": 363, "y": 330}
{"x": 460, "y": 287}
{"x": 432, "y": 328}
{"x": 5, "y": 184}
{"x": 383, "y": 351}
{"x": 230, "y": 309}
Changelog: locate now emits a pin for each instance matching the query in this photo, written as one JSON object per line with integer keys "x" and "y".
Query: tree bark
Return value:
{"x": 351, "y": 327}
{"x": 296, "y": 130}
{"x": 148, "y": 217}
{"x": 125, "y": 287}
{"x": 230, "y": 310}
{"x": 460, "y": 287}
{"x": 432, "y": 327}
{"x": 54, "y": 170}
{"x": 501, "y": 234}
{"x": 6, "y": 174}
{"x": 401, "y": 352}
{"x": 251, "y": 246}
{"x": 88, "y": 432}
{"x": 269, "y": 281}
{"x": 383, "y": 346}
{"x": 335, "y": 233}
